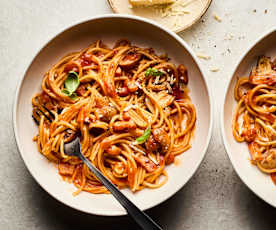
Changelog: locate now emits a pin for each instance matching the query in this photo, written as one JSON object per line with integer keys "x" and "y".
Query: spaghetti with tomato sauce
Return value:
{"x": 130, "y": 108}
{"x": 254, "y": 119}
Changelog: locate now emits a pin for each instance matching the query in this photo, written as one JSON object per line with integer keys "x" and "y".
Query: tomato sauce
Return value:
{"x": 86, "y": 60}
{"x": 178, "y": 93}
{"x": 71, "y": 66}
{"x": 273, "y": 177}
{"x": 177, "y": 162}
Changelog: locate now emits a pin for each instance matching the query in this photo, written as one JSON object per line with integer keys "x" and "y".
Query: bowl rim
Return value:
{"x": 222, "y": 110}
{"x": 98, "y": 17}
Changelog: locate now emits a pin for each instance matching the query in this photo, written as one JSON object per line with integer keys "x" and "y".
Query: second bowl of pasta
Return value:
{"x": 248, "y": 118}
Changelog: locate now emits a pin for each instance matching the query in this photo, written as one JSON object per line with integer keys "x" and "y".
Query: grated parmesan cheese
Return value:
{"x": 169, "y": 87}
{"x": 228, "y": 37}
{"x": 176, "y": 13}
{"x": 156, "y": 80}
{"x": 203, "y": 56}
{"x": 149, "y": 2}
{"x": 176, "y": 9}
{"x": 214, "y": 69}
{"x": 172, "y": 80}
{"x": 167, "y": 8}
{"x": 216, "y": 17}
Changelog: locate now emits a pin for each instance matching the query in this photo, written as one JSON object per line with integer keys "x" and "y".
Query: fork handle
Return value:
{"x": 141, "y": 218}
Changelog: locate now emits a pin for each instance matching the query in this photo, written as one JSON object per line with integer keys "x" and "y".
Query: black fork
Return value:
{"x": 142, "y": 219}
{"x": 40, "y": 113}
{"x": 73, "y": 148}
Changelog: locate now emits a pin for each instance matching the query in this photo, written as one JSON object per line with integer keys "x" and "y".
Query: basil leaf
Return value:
{"x": 144, "y": 137}
{"x": 73, "y": 96}
{"x": 72, "y": 82}
{"x": 148, "y": 71}
{"x": 153, "y": 72}
{"x": 66, "y": 92}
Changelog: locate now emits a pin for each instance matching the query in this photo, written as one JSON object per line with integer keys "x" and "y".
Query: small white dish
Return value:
{"x": 260, "y": 183}
{"x": 186, "y": 14}
{"x": 110, "y": 28}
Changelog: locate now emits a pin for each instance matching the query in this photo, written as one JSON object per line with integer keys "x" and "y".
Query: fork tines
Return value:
{"x": 49, "y": 111}
{"x": 39, "y": 113}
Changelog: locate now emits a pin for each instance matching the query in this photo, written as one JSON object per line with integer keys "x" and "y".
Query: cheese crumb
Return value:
{"x": 203, "y": 56}
{"x": 217, "y": 17}
{"x": 228, "y": 37}
{"x": 214, "y": 69}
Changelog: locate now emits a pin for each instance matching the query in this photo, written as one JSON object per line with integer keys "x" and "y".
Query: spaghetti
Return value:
{"x": 129, "y": 107}
{"x": 255, "y": 118}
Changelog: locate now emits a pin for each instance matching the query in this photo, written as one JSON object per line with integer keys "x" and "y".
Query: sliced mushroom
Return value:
{"x": 105, "y": 113}
{"x": 130, "y": 59}
{"x": 162, "y": 137}
{"x": 152, "y": 145}
{"x": 123, "y": 91}
{"x": 131, "y": 86}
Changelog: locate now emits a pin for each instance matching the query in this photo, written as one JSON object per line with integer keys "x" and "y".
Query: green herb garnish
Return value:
{"x": 144, "y": 137}
{"x": 153, "y": 72}
{"x": 71, "y": 84}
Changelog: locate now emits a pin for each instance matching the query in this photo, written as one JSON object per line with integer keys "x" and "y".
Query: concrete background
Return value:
{"x": 215, "y": 198}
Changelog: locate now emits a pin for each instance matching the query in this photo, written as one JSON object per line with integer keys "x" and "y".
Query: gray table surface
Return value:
{"x": 215, "y": 198}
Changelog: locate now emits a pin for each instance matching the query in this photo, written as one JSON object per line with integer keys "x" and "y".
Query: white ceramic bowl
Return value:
{"x": 260, "y": 183}
{"x": 110, "y": 28}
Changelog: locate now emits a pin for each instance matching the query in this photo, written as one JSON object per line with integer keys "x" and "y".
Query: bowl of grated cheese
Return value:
{"x": 176, "y": 15}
